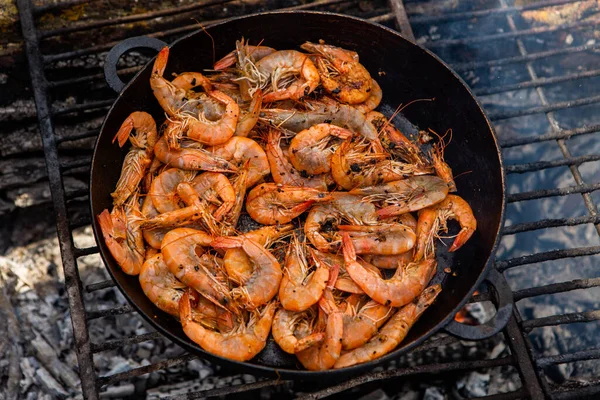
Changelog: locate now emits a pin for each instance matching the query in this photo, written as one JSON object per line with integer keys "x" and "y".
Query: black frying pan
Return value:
{"x": 405, "y": 72}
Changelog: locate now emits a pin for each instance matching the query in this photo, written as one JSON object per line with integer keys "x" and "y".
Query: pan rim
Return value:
{"x": 298, "y": 373}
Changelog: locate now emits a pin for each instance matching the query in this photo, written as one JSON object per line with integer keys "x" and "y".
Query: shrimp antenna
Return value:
{"x": 401, "y": 108}
{"x": 211, "y": 39}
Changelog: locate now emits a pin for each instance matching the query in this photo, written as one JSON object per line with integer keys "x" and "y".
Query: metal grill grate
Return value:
{"x": 43, "y": 56}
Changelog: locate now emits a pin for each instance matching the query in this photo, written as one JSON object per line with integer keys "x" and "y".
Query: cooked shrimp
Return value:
{"x": 433, "y": 220}
{"x": 241, "y": 344}
{"x": 284, "y": 173}
{"x": 173, "y": 96}
{"x": 382, "y": 239}
{"x": 341, "y": 74}
{"x": 181, "y": 249}
{"x": 400, "y": 197}
{"x": 323, "y": 355}
{"x": 397, "y": 291}
{"x": 355, "y": 164}
{"x": 237, "y": 263}
{"x": 281, "y": 67}
{"x": 392, "y": 333}
{"x": 397, "y": 144}
{"x": 337, "y": 114}
{"x": 271, "y": 204}
{"x": 163, "y": 191}
{"x": 154, "y": 236}
{"x": 375, "y": 96}
{"x": 343, "y": 281}
{"x": 197, "y": 127}
{"x": 320, "y": 226}
{"x": 285, "y": 327}
{"x": 123, "y": 236}
{"x": 215, "y": 189}
{"x": 160, "y": 285}
{"x": 191, "y": 156}
{"x": 139, "y": 157}
{"x": 300, "y": 288}
{"x": 264, "y": 282}
{"x": 249, "y": 118}
{"x": 310, "y": 150}
{"x": 362, "y": 318}
{"x": 239, "y": 150}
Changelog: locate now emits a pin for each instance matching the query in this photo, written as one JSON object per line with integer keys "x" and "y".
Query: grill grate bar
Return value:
{"x": 91, "y": 78}
{"x": 485, "y": 13}
{"x": 80, "y": 252}
{"x": 402, "y": 23}
{"x": 561, "y": 134}
{"x": 224, "y": 391}
{"x": 503, "y": 265}
{"x": 84, "y": 162}
{"x": 539, "y": 165}
{"x": 500, "y": 115}
{"x": 550, "y": 223}
{"x": 539, "y": 194}
{"x": 586, "y": 316}
{"x": 146, "y": 369}
{"x": 57, "y": 6}
{"x": 83, "y": 107}
{"x": 557, "y": 288}
{"x": 512, "y": 34}
{"x": 131, "y": 18}
{"x": 582, "y": 355}
{"x": 126, "y": 309}
{"x": 585, "y": 392}
{"x": 461, "y": 67}
{"x": 99, "y": 286}
{"x": 78, "y": 136}
{"x": 398, "y": 372}
{"x": 118, "y": 343}
{"x": 536, "y": 83}
{"x": 65, "y": 240}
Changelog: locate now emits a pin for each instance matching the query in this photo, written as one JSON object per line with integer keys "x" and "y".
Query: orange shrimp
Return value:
{"x": 372, "y": 102}
{"x": 237, "y": 263}
{"x": 191, "y": 156}
{"x": 408, "y": 195}
{"x": 324, "y": 355}
{"x": 392, "y": 333}
{"x": 341, "y": 74}
{"x": 241, "y": 344}
{"x": 433, "y": 220}
{"x": 271, "y": 204}
{"x": 311, "y": 149}
{"x": 284, "y": 173}
{"x": 264, "y": 282}
{"x": 243, "y": 50}
{"x": 362, "y": 318}
{"x": 300, "y": 288}
{"x": 249, "y": 118}
{"x": 241, "y": 150}
{"x": 181, "y": 249}
{"x": 281, "y": 67}
{"x": 123, "y": 236}
{"x": 402, "y": 288}
{"x": 163, "y": 190}
{"x": 215, "y": 189}
{"x": 139, "y": 157}
{"x": 442, "y": 169}
{"x": 382, "y": 239}
{"x": 287, "y": 326}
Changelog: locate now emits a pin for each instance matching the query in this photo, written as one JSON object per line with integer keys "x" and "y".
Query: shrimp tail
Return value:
{"x": 124, "y": 131}
{"x": 462, "y": 237}
{"x": 348, "y": 246}
{"x": 300, "y": 208}
{"x": 161, "y": 61}
{"x": 225, "y": 62}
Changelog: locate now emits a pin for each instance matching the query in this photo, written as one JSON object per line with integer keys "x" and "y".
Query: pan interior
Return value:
{"x": 405, "y": 73}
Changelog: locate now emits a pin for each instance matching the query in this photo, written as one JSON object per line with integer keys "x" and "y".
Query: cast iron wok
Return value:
{"x": 405, "y": 72}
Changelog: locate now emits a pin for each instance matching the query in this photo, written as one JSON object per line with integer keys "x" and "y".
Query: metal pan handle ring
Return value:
{"x": 504, "y": 305}
{"x": 112, "y": 58}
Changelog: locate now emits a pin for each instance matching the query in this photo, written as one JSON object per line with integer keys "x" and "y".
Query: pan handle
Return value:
{"x": 504, "y": 305}
{"x": 112, "y": 58}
